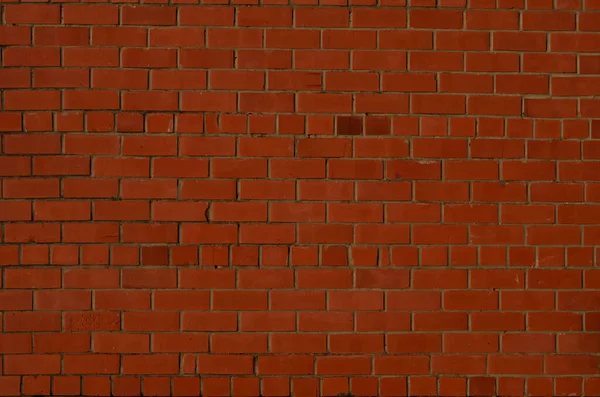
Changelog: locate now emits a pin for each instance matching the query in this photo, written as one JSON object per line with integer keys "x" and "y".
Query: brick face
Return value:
{"x": 273, "y": 198}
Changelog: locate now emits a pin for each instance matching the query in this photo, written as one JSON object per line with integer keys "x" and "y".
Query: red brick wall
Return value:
{"x": 394, "y": 198}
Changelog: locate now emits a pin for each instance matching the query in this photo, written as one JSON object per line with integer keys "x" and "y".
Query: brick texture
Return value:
{"x": 294, "y": 197}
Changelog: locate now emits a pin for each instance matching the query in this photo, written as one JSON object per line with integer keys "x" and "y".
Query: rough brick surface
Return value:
{"x": 381, "y": 197}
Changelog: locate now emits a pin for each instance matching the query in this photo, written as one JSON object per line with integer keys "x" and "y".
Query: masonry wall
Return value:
{"x": 393, "y": 198}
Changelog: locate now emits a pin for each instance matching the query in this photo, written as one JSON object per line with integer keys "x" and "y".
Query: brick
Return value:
{"x": 276, "y": 16}
{"x": 77, "y": 14}
{"x": 84, "y": 56}
{"x": 207, "y": 16}
{"x": 35, "y": 364}
{"x": 148, "y": 15}
{"x": 61, "y": 36}
{"x": 32, "y": 14}
{"x": 112, "y": 78}
{"x": 321, "y": 17}
{"x": 106, "y": 36}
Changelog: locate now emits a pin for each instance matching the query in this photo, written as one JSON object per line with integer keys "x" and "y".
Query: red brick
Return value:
{"x": 32, "y": 14}
{"x": 275, "y": 365}
{"x": 107, "y": 36}
{"x": 34, "y": 364}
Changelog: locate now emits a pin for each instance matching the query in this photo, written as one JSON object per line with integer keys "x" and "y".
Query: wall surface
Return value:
{"x": 393, "y": 198}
